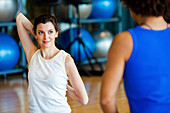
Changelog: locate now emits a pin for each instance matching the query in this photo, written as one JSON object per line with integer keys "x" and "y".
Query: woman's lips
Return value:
{"x": 46, "y": 42}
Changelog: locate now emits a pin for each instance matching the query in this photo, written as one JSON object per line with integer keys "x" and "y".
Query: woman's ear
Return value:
{"x": 34, "y": 34}
{"x": 56, "y": 34}
{"x": 35, "y": 37}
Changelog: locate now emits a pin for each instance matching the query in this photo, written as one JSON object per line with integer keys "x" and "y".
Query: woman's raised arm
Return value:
{"x": 24, "y": 27}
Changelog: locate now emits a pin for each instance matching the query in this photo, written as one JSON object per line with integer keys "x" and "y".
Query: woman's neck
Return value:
{"x": 154, "y": 23}
{"x": 49, "y": 53}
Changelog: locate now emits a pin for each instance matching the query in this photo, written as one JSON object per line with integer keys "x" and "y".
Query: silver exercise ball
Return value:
{"x": 61, "y": 11}
{"x": 84, "y": 10}
{"x": 8, "y": 9}
{"x": 103, "y": 40}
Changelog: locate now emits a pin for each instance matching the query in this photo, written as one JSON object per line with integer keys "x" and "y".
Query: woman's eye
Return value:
{"x": 40, "y": 32}
{"x": 50, "y": 32}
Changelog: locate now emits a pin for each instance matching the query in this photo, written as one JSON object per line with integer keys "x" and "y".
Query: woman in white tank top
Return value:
{"x": 49, "y": 67}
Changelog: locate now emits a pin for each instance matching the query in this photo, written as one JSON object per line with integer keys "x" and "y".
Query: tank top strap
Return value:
{"x": 33, "y": 58}
{"x": 63, "y": 58}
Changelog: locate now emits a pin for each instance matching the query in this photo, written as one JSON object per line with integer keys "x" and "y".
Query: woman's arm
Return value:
{"x": 118, "y": 54}
{"x": 24, "y": 27}
{"x": 77, "y": 91}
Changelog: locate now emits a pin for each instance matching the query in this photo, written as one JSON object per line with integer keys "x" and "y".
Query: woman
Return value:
{"x": 49, "y": 67}
{"x": 141, "y": 56}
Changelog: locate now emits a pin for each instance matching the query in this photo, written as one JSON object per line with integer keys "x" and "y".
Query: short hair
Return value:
{"x": 148, "y": 7}
{"x": 44, "y": 19}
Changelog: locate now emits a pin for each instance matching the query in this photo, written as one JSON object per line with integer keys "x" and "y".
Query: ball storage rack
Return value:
{"x": 22, "y": 68}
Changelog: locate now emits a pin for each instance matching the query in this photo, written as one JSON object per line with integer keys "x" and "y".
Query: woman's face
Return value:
{"x": 46, "y": 34}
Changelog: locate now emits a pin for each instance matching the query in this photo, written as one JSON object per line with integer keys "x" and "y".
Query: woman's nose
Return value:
{"x": 45, "y": 35}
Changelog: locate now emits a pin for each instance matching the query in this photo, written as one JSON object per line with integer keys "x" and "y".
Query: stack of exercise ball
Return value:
{"x": 103, "y": 40}
{"x": 62, "y": 11}
{"x": 9, "y": 52}
{"x": 8, "y": 9}
{"x": 103, "y": 8}
{"x": 65, "y": 40}
{"x": 96, "y": 9}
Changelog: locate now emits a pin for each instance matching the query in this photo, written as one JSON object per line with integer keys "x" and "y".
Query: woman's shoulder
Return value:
{"x": 123, "y": 36}
{"x": 65, "y": 56}
{"x": 64, "y": 52}
{"x": 123, "y": 43}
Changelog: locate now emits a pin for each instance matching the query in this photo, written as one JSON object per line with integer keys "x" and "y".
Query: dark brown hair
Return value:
{"x": 148, "y": 7}
{"x": 44, "y": 19}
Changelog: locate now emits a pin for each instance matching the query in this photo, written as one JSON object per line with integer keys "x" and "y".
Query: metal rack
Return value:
{"x": 22, "y": 62}
{"x": 116, "y": 19}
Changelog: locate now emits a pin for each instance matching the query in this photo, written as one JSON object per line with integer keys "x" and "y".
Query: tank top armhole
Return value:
{"x": 33, "y": 58}
{"x": 134, "y": 45}
{"x": 63, "y": 62}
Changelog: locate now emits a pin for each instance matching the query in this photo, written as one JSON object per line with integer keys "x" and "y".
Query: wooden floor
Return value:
{"x": 13, "y": 96}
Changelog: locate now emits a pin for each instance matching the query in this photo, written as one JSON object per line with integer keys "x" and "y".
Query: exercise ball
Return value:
{"x": 103, "y": 40}
{"x": 61, "y": 11}
{"x": 9, "y": 52}
{"x": 84, "y": 10}
{"x": 103, "y": 8}
{"x": 8, "y": 9}
{"x": 87, "y": 39}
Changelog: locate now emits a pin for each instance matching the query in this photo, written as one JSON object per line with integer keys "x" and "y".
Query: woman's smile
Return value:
{"x": 46, "y": 42}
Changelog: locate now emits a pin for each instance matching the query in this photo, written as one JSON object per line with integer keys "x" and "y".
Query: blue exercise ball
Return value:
{"x": 9, "y": 52}
{"x": 103, "y": 8}
{"x": 87, "y": 39}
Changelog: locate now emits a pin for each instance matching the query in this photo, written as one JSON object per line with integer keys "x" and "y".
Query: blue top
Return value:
{"x": 147, "y": 72}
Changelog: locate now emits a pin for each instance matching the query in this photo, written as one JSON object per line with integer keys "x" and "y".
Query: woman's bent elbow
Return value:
{"x": 105, "y": 101}
{"x": 19, "y": 18}
{"x": 85, "y": 101}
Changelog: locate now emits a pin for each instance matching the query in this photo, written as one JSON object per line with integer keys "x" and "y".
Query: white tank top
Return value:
{"x": 48, "y": 84}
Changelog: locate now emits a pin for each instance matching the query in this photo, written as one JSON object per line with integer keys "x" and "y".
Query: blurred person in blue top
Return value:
{"x": 141, "y": 57}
